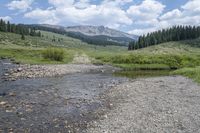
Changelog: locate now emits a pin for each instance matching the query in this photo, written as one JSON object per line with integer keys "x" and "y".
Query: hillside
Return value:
{"x": 29, "y": 50}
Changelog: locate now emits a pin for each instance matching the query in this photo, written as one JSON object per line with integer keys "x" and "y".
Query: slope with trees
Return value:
{"x": 175, "y": 33}
{"x": 6, "y": 26}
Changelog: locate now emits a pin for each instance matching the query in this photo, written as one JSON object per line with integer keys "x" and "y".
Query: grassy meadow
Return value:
{"x": 183, "y": 57}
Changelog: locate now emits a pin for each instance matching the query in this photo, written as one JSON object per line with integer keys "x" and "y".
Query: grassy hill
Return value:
{"x": 30, "y": 49}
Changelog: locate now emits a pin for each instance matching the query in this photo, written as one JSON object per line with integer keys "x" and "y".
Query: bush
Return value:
{"x": 54, "y": 54}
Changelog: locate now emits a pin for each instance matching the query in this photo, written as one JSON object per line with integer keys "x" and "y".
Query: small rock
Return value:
{"x": 19, "y": 69}
{"x": 29, "y": 76}
{"x": 3, "y": 103}
{"x": 9, "y": 111}
{"x": 23, "y": 119}
{"x": 6, "y": 74}
{"x": 105, "y": 116}
{"x": 66, "y": 122}
{"x": 78, "y": 106}
{"x": 12, "y": 94}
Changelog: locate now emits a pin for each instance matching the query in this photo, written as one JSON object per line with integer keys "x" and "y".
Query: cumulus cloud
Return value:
{"x": 176, "y": 13}
{"x": 147, "y": 10}
{"x": 6, "y": 18}
{"x": 68, "y": 12}
{"x": 47, "y": 16}
{"x": 146, "y": 15}
{"x": 21, "y": 5}
{"x": 188, "y": 14}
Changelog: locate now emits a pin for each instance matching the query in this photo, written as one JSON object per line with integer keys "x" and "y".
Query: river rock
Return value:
{"x": 19, "y": 69}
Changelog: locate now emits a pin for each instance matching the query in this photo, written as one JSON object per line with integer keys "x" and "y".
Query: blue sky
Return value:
{"x": 133, "y": 16}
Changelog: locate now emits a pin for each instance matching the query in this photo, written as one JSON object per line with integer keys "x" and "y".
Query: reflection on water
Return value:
{"x": 142, "y": 73}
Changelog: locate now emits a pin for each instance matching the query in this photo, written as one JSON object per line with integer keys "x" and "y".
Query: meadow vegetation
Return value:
{"x": 54, "y": 54}
{"x": 51, "y": 48}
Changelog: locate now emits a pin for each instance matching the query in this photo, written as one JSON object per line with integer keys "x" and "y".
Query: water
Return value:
{"x": 142, "y": 73}
{"x": 74, "y": 98}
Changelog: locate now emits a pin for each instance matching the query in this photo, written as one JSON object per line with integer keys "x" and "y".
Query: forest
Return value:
{"x": 6, "y": 26}
{"x": 175, "y": 33}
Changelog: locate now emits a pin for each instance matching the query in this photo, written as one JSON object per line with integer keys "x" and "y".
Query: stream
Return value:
{"x": 58, "y": 104}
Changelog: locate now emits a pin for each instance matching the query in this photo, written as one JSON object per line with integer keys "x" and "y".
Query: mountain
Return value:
{"x": 98, "y": 35}
{"x": 98, "y": 31}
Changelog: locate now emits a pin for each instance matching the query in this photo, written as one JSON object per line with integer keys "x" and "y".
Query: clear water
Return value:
{"x": 142, "y": 73}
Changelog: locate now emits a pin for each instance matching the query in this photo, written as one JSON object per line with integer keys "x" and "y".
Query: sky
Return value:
{"x": 133, "y": 16}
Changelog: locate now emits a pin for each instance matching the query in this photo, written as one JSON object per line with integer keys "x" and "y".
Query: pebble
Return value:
{"x": 9, "y": 111}
{"x": 12, "y": 94}
{"x": 3, "y": 103}
{"x": 19, "y": 69}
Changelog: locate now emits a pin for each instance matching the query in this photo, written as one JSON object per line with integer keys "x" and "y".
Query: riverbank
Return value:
{"x": 163, "y": 104}
{"x": 36, "y": 71}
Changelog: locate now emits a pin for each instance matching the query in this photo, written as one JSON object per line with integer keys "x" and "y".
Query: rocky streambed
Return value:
{"x": 36, "y": 71}
{"x": 63, "y": 103}
{"x": 87, "y": 98}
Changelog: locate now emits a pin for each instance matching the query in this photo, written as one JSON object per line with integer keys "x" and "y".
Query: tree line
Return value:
{"x": 175, "y": 33}
{"x": 18, "y": 29}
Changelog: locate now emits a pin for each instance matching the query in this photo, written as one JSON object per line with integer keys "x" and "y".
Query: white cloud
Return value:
{"x": 146, "y": 15}
{"x": 21, "y": 5}
{"x": 62, "y": 3}
{"x": 67, "y": 12}
{"x": 192, "y": 5}
{"x": 43, "y": 16}
{"x": 116, "y": 2}
{"x": 142, "y": 31}
{"x": 176, "y": 13}
{"x": 148, "y": 9}
{"x": 189, "y": 14}
{"x": 6, "y": 18}
{"x": 82, "y": 4}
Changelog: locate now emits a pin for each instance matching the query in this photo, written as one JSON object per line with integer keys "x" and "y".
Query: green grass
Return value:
{"x": 132, "y": 67}
{"x": 29, "y": 56}
{"x": 184, "y": 55}
{"x": 193, "y": 73}
{"x": 30, "y": 50}
{"x": 54, "y": 54}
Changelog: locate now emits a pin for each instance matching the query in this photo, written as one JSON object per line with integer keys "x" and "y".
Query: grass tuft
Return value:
{"x": 54, "y": 54}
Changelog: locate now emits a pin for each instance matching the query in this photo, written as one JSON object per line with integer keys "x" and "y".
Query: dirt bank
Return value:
{"x": 163, "y": 104}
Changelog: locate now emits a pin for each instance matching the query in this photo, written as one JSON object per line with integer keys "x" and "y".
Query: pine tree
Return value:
{"x": 22, "y": 36}
{"x": 175, "y": 33}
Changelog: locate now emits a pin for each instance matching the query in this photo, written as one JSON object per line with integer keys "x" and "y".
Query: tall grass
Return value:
{"x": 193, "y": 73}
{"x": 55, "y": 54}
{"x": 163, "y": 61}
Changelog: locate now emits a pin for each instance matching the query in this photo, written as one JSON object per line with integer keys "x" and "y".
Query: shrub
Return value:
{"x": 54, "y": 54}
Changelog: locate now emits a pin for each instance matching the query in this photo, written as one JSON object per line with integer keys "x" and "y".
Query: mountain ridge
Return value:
{"x": 91, "y": 30}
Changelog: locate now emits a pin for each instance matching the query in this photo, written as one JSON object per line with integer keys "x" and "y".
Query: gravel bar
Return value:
{"x": 153, "y": 105}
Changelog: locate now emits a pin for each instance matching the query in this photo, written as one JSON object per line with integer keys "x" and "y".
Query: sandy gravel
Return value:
{"x": 152, "y": 105}
{"x": 34, "y": 71}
